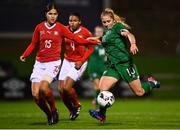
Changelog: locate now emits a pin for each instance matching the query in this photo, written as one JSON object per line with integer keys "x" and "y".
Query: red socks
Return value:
{"x": 66, "y": 101}
{"x": 73, "y": 97}
{"x": 50, "y": 99}
{"x": 42, "y": 104}
{"x": 70, "y": 99}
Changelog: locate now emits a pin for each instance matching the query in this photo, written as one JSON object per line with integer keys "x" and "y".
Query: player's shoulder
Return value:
{"x": 60, "y": 24}
{"x": 85, "y": 30}
{"x": 39, "y": 25}
{"x": 119, "y": 25}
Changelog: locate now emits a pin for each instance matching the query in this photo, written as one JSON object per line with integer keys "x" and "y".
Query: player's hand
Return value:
{"x": 78, "y": 65}
{"x": 95, "y": 40}
{"x": 134, "y": 49}
{"x": 22, "y": 58}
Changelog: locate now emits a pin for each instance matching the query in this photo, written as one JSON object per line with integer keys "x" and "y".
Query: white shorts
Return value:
{"x": 68, "y": 70}
{"x": 45, "y": 71}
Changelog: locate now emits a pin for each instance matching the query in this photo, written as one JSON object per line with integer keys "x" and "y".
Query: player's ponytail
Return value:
{"x": 118, "y": 19}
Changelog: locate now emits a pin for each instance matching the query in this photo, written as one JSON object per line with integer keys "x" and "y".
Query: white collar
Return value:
{"x": 50, "y": 26}
{"x": 79, "y": 29}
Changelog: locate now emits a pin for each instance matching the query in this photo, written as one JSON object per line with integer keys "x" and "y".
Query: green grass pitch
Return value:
{"x": 140, "y": 113}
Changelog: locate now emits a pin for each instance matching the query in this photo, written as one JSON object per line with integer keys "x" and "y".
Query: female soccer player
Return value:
{"x": 74, "y": 65}
{"x": 96, "y": 64}
{"x": 120, "y": 64}
{"x": 48, "y": 36}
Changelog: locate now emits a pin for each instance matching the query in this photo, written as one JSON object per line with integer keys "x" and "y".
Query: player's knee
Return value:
{"x": 103, "y": 89}
{"x": 139, "y": 93}
{"x": 35, "y": 95}
{"x": 47, "y": 78}
{"x": 61, "y": 86}
{"x": 66, "y": 89}
{"x": 44, "y": 85}
{"x": 60, "y": 89}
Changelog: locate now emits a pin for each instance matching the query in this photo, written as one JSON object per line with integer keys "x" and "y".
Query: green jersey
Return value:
{"x": 96, "y": 62}
{"x": 97, "y": 57}
{"x": 116, "y": 45}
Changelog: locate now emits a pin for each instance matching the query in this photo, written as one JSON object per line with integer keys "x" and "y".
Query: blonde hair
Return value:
{"x": 118, "y": 19}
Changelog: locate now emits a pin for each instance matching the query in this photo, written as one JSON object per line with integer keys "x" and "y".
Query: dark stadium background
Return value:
{"x": 154, "y": 23}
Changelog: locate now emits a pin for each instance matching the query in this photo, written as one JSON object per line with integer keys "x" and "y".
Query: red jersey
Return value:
{"x": 77, "y": 52}
{"x": 49, "y": 40}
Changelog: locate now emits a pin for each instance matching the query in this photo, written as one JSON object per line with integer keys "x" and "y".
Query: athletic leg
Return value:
{"x": 39, "y": 100}
{"x": 106, "y": 82}
{"x": 140, "y": 88}
{"x": 46, "y": 92}
{"x": 71, "y": 94}
{"x": 96, "y": 92}
{"x": 64, "y": 97}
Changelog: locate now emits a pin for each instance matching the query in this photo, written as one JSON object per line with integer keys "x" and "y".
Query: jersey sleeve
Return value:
{"x": 79, "y": 40}
{"x": 90, "y": 48}
{"x": 88, "y": 52}
{"x": 32, "y": 45}
{"x": 121, "y": 28}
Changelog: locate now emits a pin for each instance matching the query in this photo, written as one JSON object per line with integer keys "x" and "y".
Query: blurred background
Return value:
{"x": 155, "y": 23}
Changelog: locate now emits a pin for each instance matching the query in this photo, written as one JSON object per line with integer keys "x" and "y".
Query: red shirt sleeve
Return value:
{"x": 79, "y": 40}
{"x": 32, "y": 45}
{"x": 90, "y": 48}
{"x": 87, "y": 53}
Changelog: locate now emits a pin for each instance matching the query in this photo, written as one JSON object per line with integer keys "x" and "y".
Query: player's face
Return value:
{"x": 74, "y": 22}
{"x": 52, "y": 16}
{"x": 98, "y": 32}
{"x": 107, "y": 21}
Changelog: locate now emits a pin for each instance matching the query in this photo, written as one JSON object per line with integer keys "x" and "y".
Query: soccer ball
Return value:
{"x": 105, "y": 99}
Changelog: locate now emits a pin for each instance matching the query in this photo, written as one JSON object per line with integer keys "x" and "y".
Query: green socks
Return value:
{"x": 96, "y": 95}
{"x": 146, "y": 86}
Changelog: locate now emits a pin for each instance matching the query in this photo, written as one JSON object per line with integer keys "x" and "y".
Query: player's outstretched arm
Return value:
{"x": 132, "y": 40}
{"x": 31, "y": 46}
{"x": 27, "y": 52}
{"x": 76, "y": 38}
{"x": 97, "y": 39}
{"x": 80, "y": 40}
